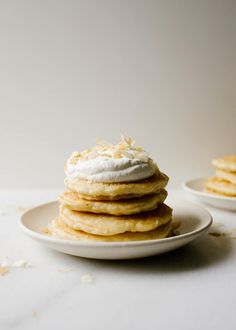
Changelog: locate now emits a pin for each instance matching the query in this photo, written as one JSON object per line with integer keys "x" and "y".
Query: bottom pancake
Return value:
{"x": 220, "y": 187}
{"x": 61, "y": 230}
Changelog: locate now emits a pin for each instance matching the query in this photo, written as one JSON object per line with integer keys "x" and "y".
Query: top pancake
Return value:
{"x": 112, "y": 191}
{"x": 227, "y": 163}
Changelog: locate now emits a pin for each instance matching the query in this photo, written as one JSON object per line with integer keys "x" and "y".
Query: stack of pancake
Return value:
{"x": 224, "y": 182}
{"x": 92, "y": 210}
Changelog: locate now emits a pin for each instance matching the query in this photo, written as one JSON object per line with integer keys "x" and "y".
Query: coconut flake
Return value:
{"x": 87, "y": 278}
{"x": 21, "y": 263}
{"x": 3, "y": 271}
{"x": 124, "y": 148}
{"x": 64, "y": 270}
{"x": 2, "y": 212}
{"x": 5, "y": 263}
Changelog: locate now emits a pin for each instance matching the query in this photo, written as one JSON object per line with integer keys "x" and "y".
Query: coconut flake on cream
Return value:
{"x": 122, "y": 162}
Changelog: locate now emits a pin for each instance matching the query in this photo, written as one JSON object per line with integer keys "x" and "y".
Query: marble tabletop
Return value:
{"x": 190, "y": 288}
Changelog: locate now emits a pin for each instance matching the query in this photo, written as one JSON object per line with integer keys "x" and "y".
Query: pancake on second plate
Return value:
{"x": 220, "y": 186}
{"x": 104, "y": 224}
{"x": 226, "y": 175}
{"x": 118, "y": 207}
{"x": 61, "y": 230}
{"x": 227, "y": 163}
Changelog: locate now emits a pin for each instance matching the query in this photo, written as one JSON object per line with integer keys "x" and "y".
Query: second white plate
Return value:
{"x": 195, "y": 187}
{"x": 195, "y": 220}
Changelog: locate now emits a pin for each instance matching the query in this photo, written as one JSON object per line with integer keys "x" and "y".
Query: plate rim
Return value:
{"x": 204, "y": 193}
{"x": 39, "y": 236}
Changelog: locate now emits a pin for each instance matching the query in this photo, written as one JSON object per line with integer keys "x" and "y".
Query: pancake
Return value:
{"x": 227, "y": 163}
{"x": 225, "y": 175}
{"x": 112, "y": 191}
{"x": 103, "y": 224}
{"x": 118, "y": 207}
{"x": 220, "y": 186}
{"x": 59, "y": 229}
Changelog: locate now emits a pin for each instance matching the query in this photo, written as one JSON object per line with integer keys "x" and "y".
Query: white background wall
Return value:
{"x": 163, "y": 72}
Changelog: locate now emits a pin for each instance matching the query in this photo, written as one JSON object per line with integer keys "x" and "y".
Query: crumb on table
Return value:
{"x": 3, "y": 271}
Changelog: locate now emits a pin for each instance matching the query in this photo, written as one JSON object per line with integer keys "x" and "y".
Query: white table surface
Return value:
{"x": 191, "y": 288}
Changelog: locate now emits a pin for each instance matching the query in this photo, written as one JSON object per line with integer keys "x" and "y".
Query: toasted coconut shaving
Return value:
{"x": 127, "y": 142}
{"x": 46, "y": 231}
{"x": 6, "y": 264}
{"x": 215, "y": 234}
{"x": 3, "y": 271}
{"x": 2, "y": 212}
{"x": 125, "y": 148}
{"x": 35, "y": 313}
{"x": 227, "y": 234}
{"x": 65, "y": 270}
{"x": 103, "y": 143}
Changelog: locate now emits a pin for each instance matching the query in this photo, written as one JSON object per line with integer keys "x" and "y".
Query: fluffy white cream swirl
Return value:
{"x": 107, "y": 169}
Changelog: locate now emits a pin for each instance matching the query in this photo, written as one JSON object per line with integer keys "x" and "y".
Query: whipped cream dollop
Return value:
{"x": 122, "y": 162}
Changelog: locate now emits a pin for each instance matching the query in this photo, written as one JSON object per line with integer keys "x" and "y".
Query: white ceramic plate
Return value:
{"x": 195, "y": 220}
{"x": 195, "y": 187}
